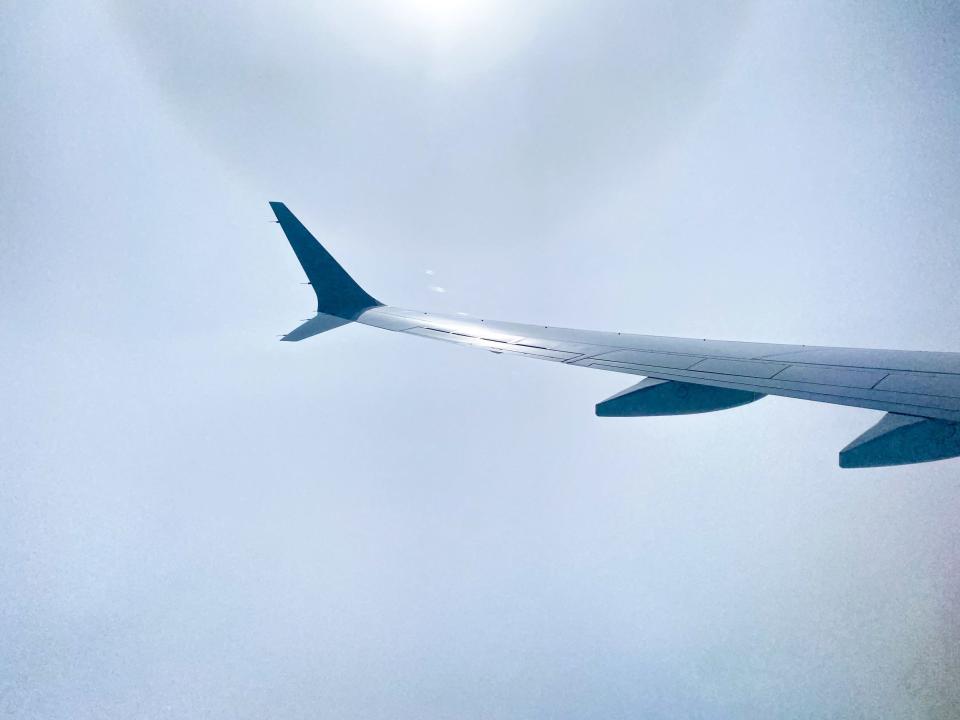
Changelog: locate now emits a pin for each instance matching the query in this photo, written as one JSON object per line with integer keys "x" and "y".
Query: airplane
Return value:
{"x": 918, "y": 390}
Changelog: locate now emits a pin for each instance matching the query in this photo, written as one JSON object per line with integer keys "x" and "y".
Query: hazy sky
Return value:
{"x": 200, "y": 521}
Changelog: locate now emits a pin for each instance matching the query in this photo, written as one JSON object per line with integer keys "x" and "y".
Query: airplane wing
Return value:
{"x": 919, "y": 391}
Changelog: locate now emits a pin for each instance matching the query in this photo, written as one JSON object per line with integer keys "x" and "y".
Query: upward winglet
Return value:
{"x": 337, "y": 293}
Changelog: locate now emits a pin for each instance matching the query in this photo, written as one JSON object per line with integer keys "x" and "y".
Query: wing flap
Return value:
{"x": 922, "y": 384}
{"x": 839, "y": 377}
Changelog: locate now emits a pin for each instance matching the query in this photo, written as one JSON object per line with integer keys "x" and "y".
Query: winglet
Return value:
{"x": 337, "y": 293}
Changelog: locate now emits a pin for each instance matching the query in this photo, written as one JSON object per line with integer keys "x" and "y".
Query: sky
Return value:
{"x": 199, "y": 520}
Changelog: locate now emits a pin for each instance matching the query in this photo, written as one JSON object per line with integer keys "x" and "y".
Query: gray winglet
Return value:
{"x": 337, "y": 293}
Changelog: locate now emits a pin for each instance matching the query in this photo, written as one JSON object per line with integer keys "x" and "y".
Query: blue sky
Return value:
{"x": 200, "y": 520}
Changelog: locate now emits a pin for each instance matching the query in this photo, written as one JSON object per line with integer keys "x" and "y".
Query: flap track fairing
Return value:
{"x": 902, "y": 440}
{"x": 652, "y": 397}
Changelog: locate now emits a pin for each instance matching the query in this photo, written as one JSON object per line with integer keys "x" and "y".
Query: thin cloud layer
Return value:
{"x": 200, "y": 520}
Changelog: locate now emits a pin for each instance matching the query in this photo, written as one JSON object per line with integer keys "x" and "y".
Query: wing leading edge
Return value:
{"x": 919, "y": 390}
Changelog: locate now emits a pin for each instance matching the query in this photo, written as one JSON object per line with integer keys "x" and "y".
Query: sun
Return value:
{"x": 449, "y": 18}
{"x": 443, "y": 23}
{"x": 450, "y": 38}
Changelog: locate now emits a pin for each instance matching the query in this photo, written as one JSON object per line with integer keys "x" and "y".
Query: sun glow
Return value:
{"x": 445, "y": 22}
{"x": 452, "y": 36}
